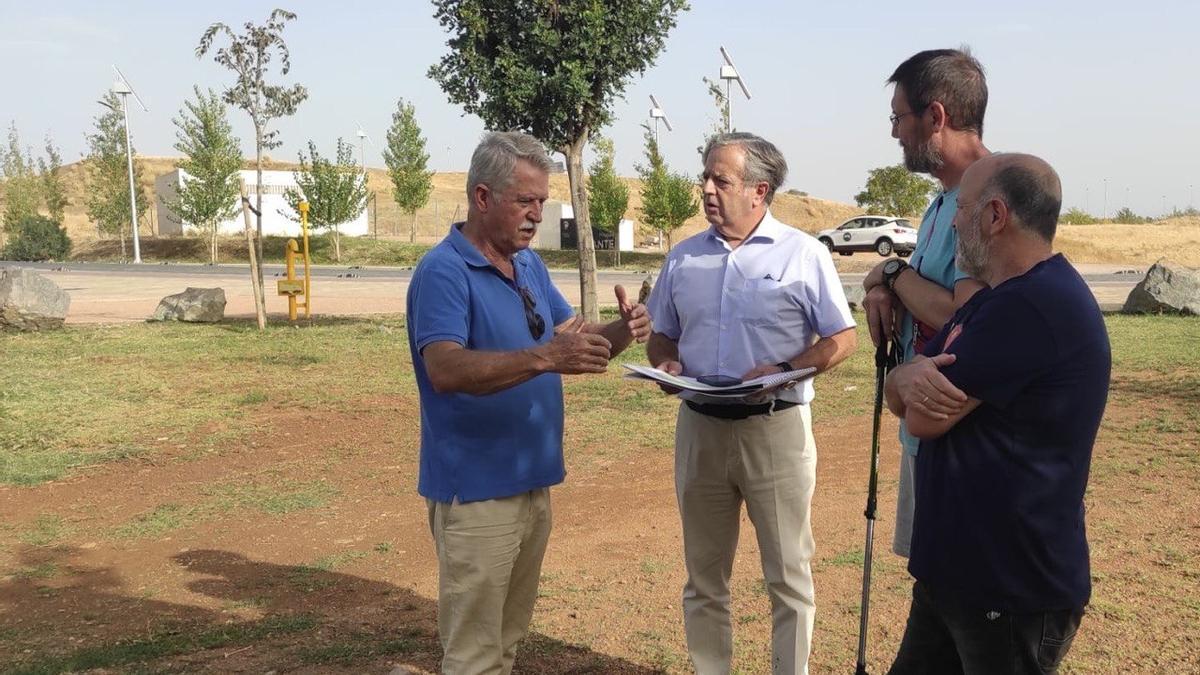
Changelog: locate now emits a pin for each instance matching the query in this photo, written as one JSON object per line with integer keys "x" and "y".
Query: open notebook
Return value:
{"x": 741, "y": 390}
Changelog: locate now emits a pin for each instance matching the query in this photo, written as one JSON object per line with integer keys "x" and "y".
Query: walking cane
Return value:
{"x": 883, "y": 361}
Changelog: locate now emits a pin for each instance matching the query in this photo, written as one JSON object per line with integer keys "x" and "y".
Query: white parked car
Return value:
{"x": 883, "y": 234}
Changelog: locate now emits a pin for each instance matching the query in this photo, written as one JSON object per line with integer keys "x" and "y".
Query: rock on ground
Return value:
{"x": 202, "y": 305}
{"x": 29, "y": 301}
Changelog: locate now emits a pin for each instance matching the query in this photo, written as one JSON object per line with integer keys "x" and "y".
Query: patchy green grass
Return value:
{"x": 207, "y": 387}
{"x": 160, "y": 520}
{"x": 359, "y": 647}
{"x": 48, "y": 529}
{"x": 164, "y": 644}
{"x": 271, "y": 497}
{"x": 94, "y": 394}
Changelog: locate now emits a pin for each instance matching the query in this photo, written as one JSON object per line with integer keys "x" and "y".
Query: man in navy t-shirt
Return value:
{"x": 1007, "y": 400}
{"x": 490, "y": 337}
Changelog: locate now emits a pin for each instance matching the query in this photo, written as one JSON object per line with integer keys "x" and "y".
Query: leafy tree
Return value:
{"x": 895, "y": 191}
{"x": 407, "y": 161}
{"x": 551, "y": 69}
{"x": 212, "y": 158}
{"x": 668, "y": 199}
{"x": 249, "y": 56}
{"x": 336, "y": 191}
{"x": 21, "y": 191}
{"x": 38, "y": 238}
{"x": 1126, "y": 216}
{"x": 722, "y": 123}
{"x": 1077, "y": 216}
{"x": 53, "y": 190}
{"x": 107, "y": 173}
{"x": 607, "y": 193}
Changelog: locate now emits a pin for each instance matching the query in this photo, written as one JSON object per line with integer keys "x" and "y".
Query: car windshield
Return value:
{"x": 905, "y": 223}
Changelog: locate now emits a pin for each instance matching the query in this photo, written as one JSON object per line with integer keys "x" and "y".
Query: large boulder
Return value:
{"x": 202, "y": 305}
{"x": 30, "y": 301}
{"x": 1167, "y": 288}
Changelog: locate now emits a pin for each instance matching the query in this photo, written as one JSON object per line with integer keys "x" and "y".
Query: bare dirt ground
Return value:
{"x": 361, "y": 569}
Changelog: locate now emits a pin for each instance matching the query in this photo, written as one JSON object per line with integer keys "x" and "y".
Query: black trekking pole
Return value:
{"x": 883, "y": 361}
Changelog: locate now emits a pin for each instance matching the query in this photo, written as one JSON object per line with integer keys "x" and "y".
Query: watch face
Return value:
{"x": 892, "y": 266}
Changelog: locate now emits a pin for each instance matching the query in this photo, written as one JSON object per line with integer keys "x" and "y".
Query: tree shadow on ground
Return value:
{"x": 58, "y": 615}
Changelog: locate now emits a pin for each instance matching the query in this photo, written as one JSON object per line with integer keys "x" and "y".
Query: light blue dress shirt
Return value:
{"x": 732, "y": 309}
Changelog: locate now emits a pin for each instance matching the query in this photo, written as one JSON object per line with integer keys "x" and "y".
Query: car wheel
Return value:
{"x": 903, "y": 254}
{"x": 846, "y": 252}
{"x": 884, "y": 247}
{"x": 828, "y": 243}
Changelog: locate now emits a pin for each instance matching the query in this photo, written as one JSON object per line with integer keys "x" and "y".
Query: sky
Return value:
{"x": 1107, "y": 92}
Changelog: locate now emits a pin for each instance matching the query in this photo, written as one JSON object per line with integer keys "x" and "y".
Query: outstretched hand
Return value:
{"x": 634, "y": 316}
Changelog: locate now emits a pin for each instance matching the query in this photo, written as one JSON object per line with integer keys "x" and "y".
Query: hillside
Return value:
{"x": 447, "y": 202}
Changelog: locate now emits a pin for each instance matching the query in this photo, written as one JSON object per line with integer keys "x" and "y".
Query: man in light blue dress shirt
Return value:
{"x": 748, "y": 297}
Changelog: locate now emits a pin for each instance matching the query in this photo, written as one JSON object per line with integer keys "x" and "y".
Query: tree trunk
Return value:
{"x": 260, "y": 302}
{"x": 215, "y": 243}
{"x": 412, "y": 237}
{"x": 258, "y": 145}
{"x": 583, "y": 227}
{"x": 337, "y": 244}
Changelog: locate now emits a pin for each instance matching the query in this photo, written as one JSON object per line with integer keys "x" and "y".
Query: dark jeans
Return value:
{"x": 945, "y": 636}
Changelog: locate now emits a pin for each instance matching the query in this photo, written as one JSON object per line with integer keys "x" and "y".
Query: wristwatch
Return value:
{"x": 892, "y": 270}
{"x": 784, "y": 366}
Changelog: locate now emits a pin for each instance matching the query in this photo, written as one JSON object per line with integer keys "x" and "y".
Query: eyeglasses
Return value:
{"x": 895, "y": 117}
{"x": 537, "y": 325}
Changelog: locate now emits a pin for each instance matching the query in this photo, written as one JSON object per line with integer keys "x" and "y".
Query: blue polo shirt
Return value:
{"x": 999, "y": 520}
{"x": 502, "y": 444}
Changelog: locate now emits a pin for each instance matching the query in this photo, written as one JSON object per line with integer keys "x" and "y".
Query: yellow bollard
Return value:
{"x": 291, "y": 286}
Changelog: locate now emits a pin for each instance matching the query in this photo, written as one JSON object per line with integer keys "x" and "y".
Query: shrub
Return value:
{"x": 36, "y": 238}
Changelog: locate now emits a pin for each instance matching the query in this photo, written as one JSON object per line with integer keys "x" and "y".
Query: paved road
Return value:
{"x": 112, "y": 292}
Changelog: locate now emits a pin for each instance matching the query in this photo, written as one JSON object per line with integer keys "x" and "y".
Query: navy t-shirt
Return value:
{"x": 999, "y": 517}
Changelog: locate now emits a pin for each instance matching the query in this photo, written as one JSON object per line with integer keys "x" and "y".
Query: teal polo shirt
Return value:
{"x": 485, "y": 447}
{"x": 933, "y": 259}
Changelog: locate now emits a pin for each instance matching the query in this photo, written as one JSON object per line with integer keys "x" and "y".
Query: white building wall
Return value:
{"x": 549, "y": 233}
{"x": 276, "y": 212}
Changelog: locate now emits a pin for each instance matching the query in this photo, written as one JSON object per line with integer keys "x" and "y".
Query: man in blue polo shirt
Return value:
{"x": 490, "y": 336}
{"x": 1006, "y": 400}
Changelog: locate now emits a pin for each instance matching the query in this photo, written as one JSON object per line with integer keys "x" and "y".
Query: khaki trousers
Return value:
{"x": 489, "y": 561}
{"x": 768, "y": 461}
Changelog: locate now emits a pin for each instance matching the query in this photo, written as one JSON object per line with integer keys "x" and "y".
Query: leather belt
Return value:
{"x": 739, "y": 411}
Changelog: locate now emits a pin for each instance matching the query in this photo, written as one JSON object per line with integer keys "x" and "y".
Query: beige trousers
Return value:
{"x": 768, "y": 461}
{"x": 489, "y": 561}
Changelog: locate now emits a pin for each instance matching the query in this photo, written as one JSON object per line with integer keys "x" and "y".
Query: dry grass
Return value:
{"x": 1176, "y": 238}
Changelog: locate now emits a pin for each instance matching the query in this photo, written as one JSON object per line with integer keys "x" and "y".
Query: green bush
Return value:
{"x": 1077, "y": 216}
{"x": 37, "y": 238}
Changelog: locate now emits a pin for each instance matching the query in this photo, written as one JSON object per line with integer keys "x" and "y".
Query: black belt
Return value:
{"x": 739, "y": 411}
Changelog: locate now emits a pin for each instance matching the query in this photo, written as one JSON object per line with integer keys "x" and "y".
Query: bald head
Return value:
{"x": 1026, "y": 184}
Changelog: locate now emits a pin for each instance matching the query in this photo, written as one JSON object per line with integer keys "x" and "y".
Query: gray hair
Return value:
{"x": 496, "y": 156}
{"x": 764, "y": 162}
{"x": 1031, "y": 189}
